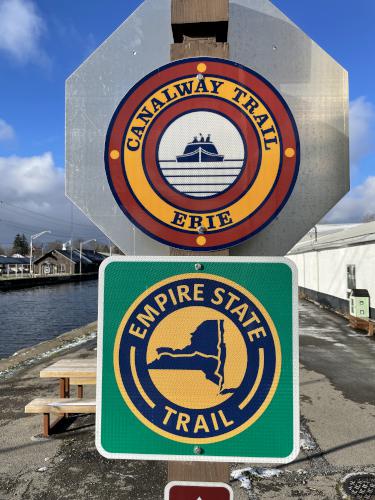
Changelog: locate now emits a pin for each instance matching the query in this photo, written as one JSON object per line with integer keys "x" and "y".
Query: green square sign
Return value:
{"x": 198, "y": 359}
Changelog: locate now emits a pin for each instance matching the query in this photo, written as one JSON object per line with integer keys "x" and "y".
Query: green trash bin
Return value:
{"x": 360, "y": 303}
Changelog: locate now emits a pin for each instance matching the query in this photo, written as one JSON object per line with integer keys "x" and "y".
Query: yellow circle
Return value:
{"x": 143, "y": 418}
{"x": 163, "y": 211}
{"x": 201, "y": 67}
{"x": 114, "y": 154}
{"x": 289, "y": 152}
{"x": 175, "y": 384}
{"x": 201, "y": 240}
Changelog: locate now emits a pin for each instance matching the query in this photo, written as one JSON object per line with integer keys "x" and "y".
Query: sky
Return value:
{"x": 43, "y": 41}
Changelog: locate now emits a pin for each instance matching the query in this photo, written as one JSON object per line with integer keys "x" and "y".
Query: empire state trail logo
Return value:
{"x": 202, "y": 154}
{"x": 197, "y": 358}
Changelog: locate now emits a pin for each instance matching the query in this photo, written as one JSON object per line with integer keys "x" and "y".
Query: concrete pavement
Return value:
{"x": 337, "y": 396}
{"x": 338, "y": 437}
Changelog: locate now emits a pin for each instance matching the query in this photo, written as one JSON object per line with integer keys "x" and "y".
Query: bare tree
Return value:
{"x": 53, "y": 245}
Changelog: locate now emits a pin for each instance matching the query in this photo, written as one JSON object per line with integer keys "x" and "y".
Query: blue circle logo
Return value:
{"x": 197, "y": 358}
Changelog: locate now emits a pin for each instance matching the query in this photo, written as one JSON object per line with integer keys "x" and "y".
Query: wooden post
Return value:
{"x": 371, "y": 328}
{"x": 79, "y": 391}
{"x": 46, "y": 424}
{"x": 200, "y": 28}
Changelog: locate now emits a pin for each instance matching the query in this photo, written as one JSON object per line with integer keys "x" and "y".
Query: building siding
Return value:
{"x": 58, "y": 264}
{"x": 322, "y": 274}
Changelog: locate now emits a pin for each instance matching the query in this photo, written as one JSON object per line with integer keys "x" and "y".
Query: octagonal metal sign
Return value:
{"x": 202, "y": 154}
{"x": 198, "y": 360}
{"x": 206, "y": 154}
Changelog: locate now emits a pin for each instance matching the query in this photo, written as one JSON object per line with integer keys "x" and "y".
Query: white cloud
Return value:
{"x": 21, "y": 29}
{"x": 360, "y": 201}
{"x": 32, "y": 176}
{"x": 6, "y": 131}
{"x": 356, "y": 205}
{"x": 362, "y": 118}
{"x": 36, "y": 184}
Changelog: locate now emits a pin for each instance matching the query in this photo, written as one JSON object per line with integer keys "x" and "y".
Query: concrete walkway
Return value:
{"x": 337, "y": 394}
{"x": 338, "y": 436}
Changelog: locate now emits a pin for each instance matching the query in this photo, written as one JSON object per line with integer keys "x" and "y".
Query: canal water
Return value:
{"x": 32, "y": 315}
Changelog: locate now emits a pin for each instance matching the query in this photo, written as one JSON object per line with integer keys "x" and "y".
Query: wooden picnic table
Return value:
{"x": 70, "y": 372}
{"x": 77, "y": 371}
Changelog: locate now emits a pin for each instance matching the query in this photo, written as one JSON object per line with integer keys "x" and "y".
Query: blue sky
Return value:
{"x": 43, "y": 41}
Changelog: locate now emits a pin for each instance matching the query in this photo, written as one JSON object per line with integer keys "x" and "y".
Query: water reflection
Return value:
{"x": 32, "y": 315}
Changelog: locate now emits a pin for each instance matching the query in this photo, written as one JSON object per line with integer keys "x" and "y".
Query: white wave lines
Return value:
{"x": 201, "y": 179}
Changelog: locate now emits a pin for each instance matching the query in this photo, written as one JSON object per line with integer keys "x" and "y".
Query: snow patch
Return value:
{"x": 337, "y": 344}
{"x": 244, "y": 475}
{"x": 301, "y": 471}
{"x": 74, "y": 343}
{"x": 311, "y": 331}
{"x": 306, "y": 442}
{"x": 244, "y": 479}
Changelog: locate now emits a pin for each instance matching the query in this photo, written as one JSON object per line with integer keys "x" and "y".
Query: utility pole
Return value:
{"x": 32, "y": 238}
{"x": 69, "y": 242}
{"x": 80, "y": 253}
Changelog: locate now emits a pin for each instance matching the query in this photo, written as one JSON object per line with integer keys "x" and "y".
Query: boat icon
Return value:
{"x": 201, "y": 171}
{"x": 200, "y": 151}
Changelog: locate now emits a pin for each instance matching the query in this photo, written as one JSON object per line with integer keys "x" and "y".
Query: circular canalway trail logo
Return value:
{"x": 202, "y": 154}
{"x": 197, "y": 358}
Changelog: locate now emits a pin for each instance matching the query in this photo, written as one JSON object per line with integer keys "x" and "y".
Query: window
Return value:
{"x": 350, "y": 277}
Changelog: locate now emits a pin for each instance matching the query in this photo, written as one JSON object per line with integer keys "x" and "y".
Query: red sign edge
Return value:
{"x": 191, "y": 483}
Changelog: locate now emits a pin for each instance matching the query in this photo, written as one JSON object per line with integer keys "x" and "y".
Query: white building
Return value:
{"x": 332, "y": 263}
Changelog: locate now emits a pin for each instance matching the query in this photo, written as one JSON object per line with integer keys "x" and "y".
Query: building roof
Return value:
{"x": 74, "y": 256}
{"x": 87, "y": 257}
{"x": 14, "y": 260}
{"x": 325, "y": 229}
{"x": 357, "y": 234}
{"x": 94, "y": 256}
{"x": 66, "y": 253}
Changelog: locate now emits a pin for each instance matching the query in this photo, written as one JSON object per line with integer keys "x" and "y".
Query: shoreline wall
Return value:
{"x": 7, "y": 285}
{"x": 47, "y": 349}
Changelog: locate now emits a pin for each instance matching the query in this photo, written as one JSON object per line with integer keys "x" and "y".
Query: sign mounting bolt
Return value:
{"x": 198, "y": 450}
{"x": 199, "y": 267}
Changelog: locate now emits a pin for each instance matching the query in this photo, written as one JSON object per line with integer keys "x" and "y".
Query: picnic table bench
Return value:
{"x": 62, "y": 407}
{"x": 78, "y": 372}
{"x": 72, "y": 372}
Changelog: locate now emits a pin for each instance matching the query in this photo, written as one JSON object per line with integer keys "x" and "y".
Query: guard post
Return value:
{"x": 200, "y": 28}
